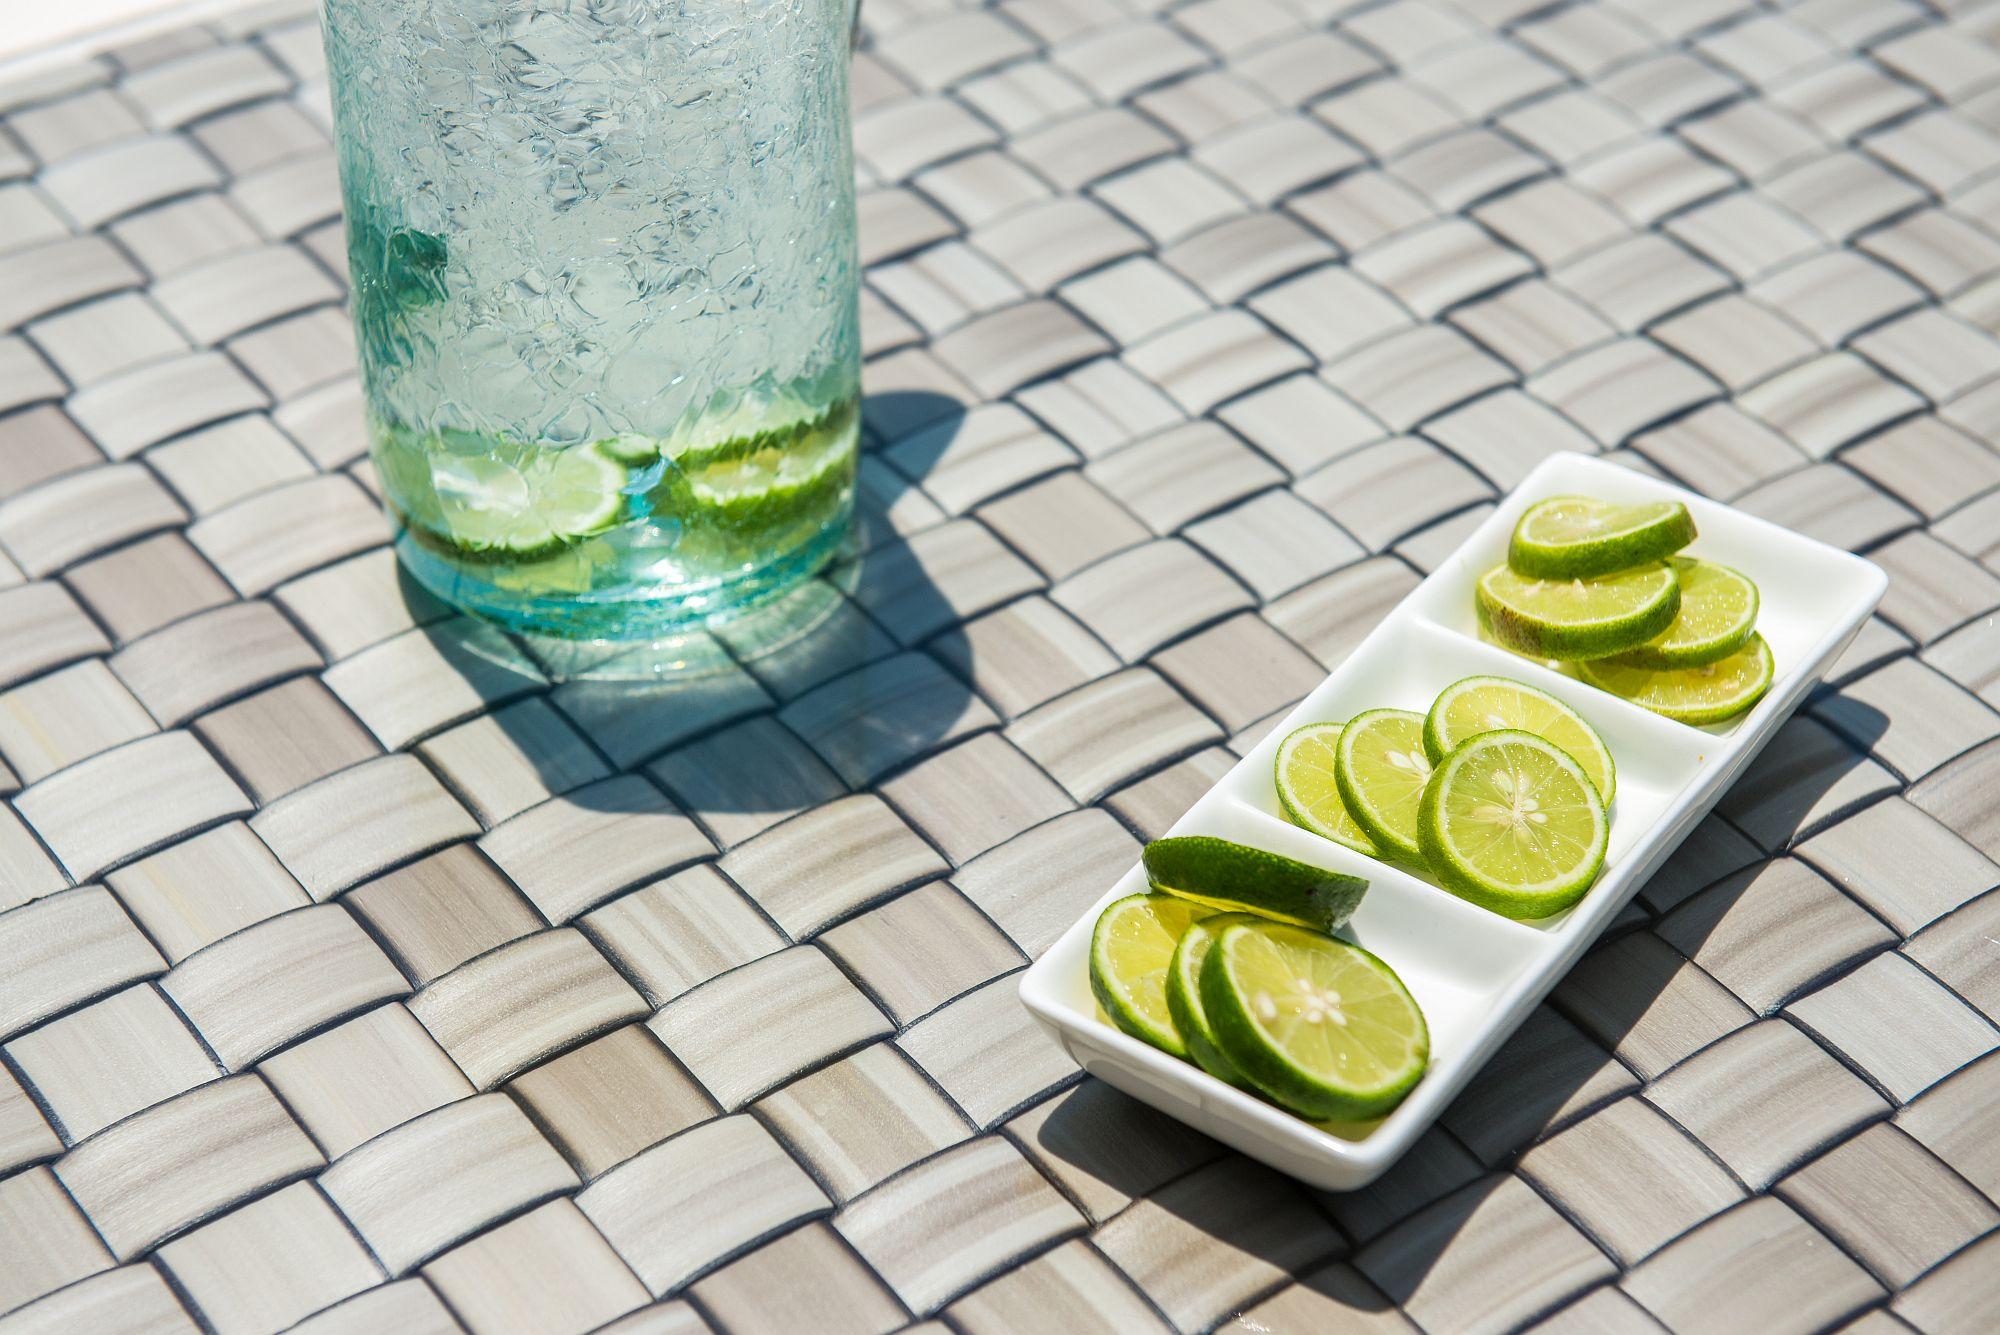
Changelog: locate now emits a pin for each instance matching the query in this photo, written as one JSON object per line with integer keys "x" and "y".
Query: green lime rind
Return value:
{"x": 1321, "y": 1027}
{"x": 1473, "y": 705}
{"x": 1575, "y": 619}
{"x": 1380, "y": 767}
{"x": 1718, "y": 614}
{"x": 1238, "y": 878}
{"x": 1511, "y": 822}
{"x": 1309, "y": 791}
{"x": 1712, "y": 693}
{"x": 1184, "y": 996}
{"x": 1131, "y": 947}
{"x": 1578, "y": 537}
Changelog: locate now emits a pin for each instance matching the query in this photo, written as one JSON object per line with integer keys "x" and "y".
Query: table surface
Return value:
{"x": 347, "y": 972}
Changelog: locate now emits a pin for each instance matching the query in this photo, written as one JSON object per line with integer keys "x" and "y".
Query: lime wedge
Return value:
{"x": 1321, "y": 1026}
{"x": 1184, "y": 995}
{"x": 1578, "y": 618}
{"x": 1487, "y": 704}
{"x": 1225, "y": 875}
{"x": 1308, "y": 792}
{"x": 1381, "y": 766}
{"x": 1710, "y": 693}
{"x": 1718, "y": 614}
{"x": 1130, "y": 949}
{"x": 1513, "y": 824}
{"x": 489, "y": 504}
{"x": 1572, "y": 537}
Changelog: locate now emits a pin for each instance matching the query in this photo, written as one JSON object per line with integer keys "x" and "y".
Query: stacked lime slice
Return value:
{"x": 1286, "y": 1011}
{"x": 1600, "y": 585}
{"x": 1399, "y": 785}
{"x": 1579, "y": 537}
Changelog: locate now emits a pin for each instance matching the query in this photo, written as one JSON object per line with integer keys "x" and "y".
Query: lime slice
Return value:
{"x": 1511, "y": 822}
{"x": 1225, "y": 875}
{"x": 1381, "y": 766}
{"x": 1572, "y": 537}
{"x": 1578, "y": 618}
{"x": 1718, "y": 614}
{"x": 1487, "y": 704}
{"x": 1130, "y": 949}
{"x": 1710, "y": 693}
{"x": 489, "y": 504}
{"x": 1321, "y": 1026}
{"x": 773, "y": 472}
{"x": 1184, "y": 995}
{"x": 1308, "y": 791}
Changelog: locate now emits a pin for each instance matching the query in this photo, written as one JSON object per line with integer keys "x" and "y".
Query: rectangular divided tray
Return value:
{"x": 1476, "y": 975}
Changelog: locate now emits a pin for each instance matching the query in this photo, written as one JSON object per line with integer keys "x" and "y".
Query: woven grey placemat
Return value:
{"x": 343, "y": 971}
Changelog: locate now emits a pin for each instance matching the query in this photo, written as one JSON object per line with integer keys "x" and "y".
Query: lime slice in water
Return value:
{"x": 1130, "y": 949}
{"x": 1380, "y": 766}
{"x": 738, "y": 494}
{"x": 1487, "y": 704}
{"x": 1511, "y": 822}
{"x": 1308, "y": 792}
{"x": 1718, "y": 614}
{"x": 1225, "y": 875}
{"x": 488, "y": 505}
{"x": 1577, "y": 618}
{"x": 1711, "y": 693}
{"x": 1570, "y": 537}
{"x": 1321, "y": 1026}
{"x": 1184, "y": 995}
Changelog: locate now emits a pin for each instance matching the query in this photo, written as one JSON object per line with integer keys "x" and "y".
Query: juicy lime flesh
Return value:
{"x": 1322, "y": 1017}
{"x": 1467, "y": 708}
{"x": 1382, "y": 769}
{"x": 1514, "y": 819}
{"x": 1578, "y": 618}
{"x": 489, "y": 503}
{"x": 1130, "y": 952}
{"x": 1717, "y": 613}
{"x": 1710, "y": 693}
{"x": 1184, "y": 994}
{"x": 1568, "y": 536}
{"x": 1308, "y": 791}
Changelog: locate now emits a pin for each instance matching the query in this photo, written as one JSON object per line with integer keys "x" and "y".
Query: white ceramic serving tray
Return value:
{"x": 1476, "y": 975}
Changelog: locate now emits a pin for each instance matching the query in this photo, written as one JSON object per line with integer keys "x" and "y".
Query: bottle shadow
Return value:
{"x": 822, "y": 692}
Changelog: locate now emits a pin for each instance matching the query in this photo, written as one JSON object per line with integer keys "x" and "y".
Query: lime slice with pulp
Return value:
{"x": 1184, "y": 995}
{"x": 1570, "y": 537}
{"x": 1321, "y": 1026}
{"x": 1512, "y": 823}
{"x": 1578, "y": 618}
{"x": 1225, "y": 875}
{"x": 490, "y": 505}
{"x": 1718, "y": 614}
{"x": 1380, "y": 766}
{"x": 1130, "y": 949}
{"x": 1710, "y": 693}
{"x": 1487, "y": 704}
{"x": 1308, "y": 792}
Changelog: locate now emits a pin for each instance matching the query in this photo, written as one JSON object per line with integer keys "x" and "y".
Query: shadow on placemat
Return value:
{"x": 836, "y": 660}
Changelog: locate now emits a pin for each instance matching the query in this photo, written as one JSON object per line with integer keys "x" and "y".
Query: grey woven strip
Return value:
{"x": 348, "y": 975}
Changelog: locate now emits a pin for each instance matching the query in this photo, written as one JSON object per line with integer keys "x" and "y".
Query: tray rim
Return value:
{"x": 1307, "y": 1150}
